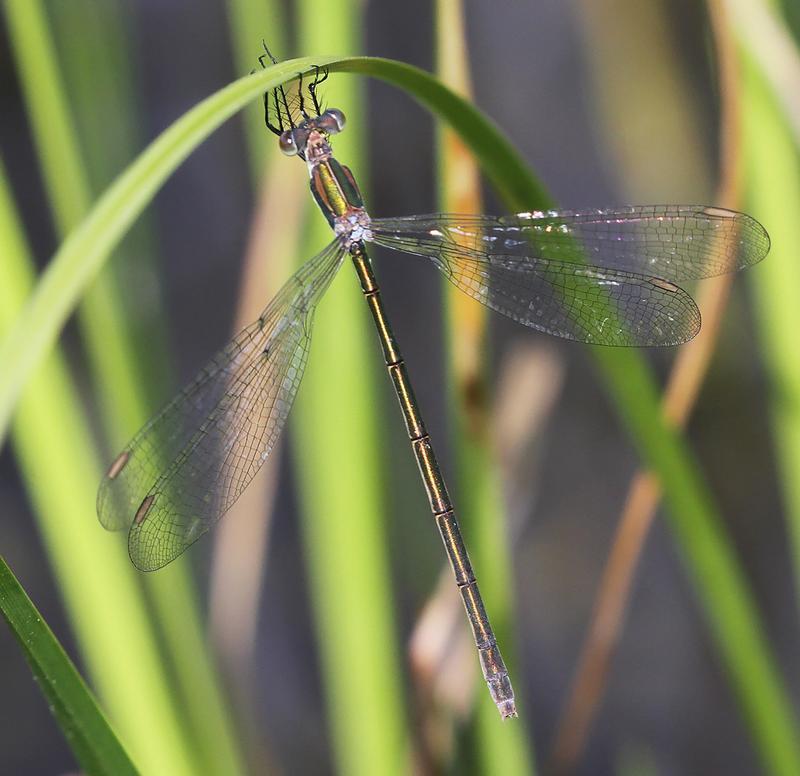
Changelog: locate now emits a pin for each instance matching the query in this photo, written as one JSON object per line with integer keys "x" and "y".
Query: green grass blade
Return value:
{"x": 341, "y": 470}
{"x": 501, "y": 747}
{"x": 96, "y": 580}
{"x": 96, "y": 64}
{"x": 773, "y": 194}
{"x": 70, "y": 196}
{"x": 243, "y": 543}
{"x": 202, "y": 700}
{"x": 117, "y": 365}
{"x": 87, "y": 731}
{"x": 706, "y": 549}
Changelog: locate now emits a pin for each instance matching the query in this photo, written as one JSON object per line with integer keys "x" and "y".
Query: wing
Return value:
{"x": 189, "y": 464}
{"x": 602, "y": 276}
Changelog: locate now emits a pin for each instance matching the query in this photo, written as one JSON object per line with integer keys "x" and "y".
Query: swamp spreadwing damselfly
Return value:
{"x": 603, "y": 276}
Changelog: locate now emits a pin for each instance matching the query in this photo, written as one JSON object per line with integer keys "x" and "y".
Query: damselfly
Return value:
{"x": 598, "y": 276}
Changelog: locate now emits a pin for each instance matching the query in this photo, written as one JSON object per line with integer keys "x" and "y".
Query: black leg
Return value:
{"x": 278, "y": 130}
{"x": 280, "y": 100}
{"x": 312, "y": 87}
{"x": 301, "y": 103}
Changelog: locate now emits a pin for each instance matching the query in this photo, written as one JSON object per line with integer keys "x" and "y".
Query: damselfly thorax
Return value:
{"x": 332, "y": 184}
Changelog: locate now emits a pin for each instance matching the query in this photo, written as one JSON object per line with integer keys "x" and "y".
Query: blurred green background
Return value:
{"x": 308, "y": 633}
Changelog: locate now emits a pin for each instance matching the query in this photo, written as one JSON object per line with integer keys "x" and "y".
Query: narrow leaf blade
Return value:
{"x": 86, "y": 729}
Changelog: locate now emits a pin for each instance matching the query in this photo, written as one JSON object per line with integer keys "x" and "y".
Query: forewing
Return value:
{"x": 672, "y": 242}
{"x": 603, "y": 276}
{"x": 189, "y": 464}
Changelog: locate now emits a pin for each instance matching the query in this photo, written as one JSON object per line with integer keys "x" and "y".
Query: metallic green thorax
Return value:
{"x": 334, "y": 189}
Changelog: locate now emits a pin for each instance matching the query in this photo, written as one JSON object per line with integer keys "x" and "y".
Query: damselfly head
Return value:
{"x": 297, "y": 117}
{"x": 312, "y": 131}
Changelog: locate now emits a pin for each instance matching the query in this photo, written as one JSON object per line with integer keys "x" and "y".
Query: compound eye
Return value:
{"x": 287, "y": 143}
{"x": 333, "y": 121}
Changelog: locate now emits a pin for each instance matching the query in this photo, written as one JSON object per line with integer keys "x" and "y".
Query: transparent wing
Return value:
{"x": 673, "y": 242}
{"x": 189, "y": 464}
{"x": 601, "y": 276}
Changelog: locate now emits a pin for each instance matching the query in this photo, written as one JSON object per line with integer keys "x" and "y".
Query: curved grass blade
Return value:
{"x": 189, "y": 464}
{"x": 346, "y": 508}
{"x": 86, "y": 729}
{"x": 709, "y": 556}
{"x": 506, "y": 749}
